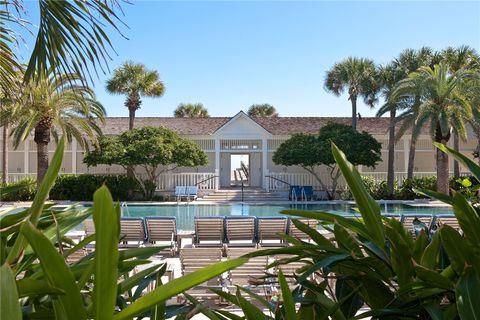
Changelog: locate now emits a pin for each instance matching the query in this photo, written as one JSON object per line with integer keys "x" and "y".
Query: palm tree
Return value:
{"x": 135, "y": 80}
{"x": 358, "y": 77}
{"x": 70, "y": 36}
{"x": 262, "y": 111}
{"x": 388, "y": 76}
{"x": 54, "y": 106}
{"x": 442, "y": 106}
{"x": 191, "y": 110}
{"x": 409, "y": 61}
{"x": 463, "y": 57}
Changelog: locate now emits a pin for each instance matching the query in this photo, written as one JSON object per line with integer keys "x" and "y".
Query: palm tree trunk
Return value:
{"x": 353, "y": 99}
{"x": 442, "y": 171}
{"x": 456, "y": 147}
{"x": 5, "y": 154}
{"x": 411, "y": 158}
{"x": 391, "y": 153}
{"x": 131, "y": 118}
{"x": 42, "y": 138}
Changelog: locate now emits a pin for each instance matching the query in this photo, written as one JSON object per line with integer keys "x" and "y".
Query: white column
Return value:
{"x": 74, "y": 155}
{"x": 406, "y": 152}
{"x": 217, "y": 163}
{"x": 26, "y": 154}
{"x": 264, "y": 162}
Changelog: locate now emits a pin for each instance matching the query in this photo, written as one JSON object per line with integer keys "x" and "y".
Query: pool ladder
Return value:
{"x": 123, "y": 206}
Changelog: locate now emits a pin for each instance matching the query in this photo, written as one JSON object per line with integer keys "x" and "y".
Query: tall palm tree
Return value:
{"x": 135, "y": 80}
{"x": 262, "y": 110}
{"x": 388, "y": 76}
{"x": 191, "y": 110}
{"x": 442, "y": 107}
{"x": 53, "y": 106}
{"x": 358, "y": 77}
{"x": 409, "y": 61}
{"x": 463, "y": 57}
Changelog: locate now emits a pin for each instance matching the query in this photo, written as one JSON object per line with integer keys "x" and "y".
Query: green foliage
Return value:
{"x": 309, "y": 151}
{"x": 38, "y": 280}
{"x": 82, "y": 186}
{"x": 262, "y": 111}
{"x": 148, "y": 148}
{"x": 23, "y": 190}
{"x": 191, "y": 110}
{"x": 375, "y": 261}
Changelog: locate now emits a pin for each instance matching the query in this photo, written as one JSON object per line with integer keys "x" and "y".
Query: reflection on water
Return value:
{"x": 185, "y": 213}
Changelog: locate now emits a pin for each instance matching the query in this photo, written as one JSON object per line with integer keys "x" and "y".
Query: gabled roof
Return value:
{"x": 241, "y": 115}
{"x": 275, "y": 126}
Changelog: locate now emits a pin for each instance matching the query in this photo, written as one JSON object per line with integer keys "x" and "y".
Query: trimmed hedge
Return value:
{"x": 80, "y": 187}
{"x": 25, "y": 190}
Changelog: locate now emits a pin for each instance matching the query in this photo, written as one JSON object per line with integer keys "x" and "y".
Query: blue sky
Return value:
{"x": 230, "y": 55}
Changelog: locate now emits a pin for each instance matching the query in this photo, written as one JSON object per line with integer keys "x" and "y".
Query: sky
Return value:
{"x": 229, "y": 55}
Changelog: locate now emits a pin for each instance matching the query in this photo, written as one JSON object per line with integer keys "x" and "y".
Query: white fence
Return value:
{"x": 167, "y": 181}
{"x": 204, "y": 181}
{"x": 274, "y": 179}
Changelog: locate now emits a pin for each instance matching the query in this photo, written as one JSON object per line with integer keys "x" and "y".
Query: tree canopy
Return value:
{"x": 262, "y": 110}
{"x": 147, "y": 148}
{"x": 310, "y": 151}
{"x": 191, "y": 110}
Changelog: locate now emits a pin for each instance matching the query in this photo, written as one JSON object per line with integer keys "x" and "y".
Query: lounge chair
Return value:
{"x": 252, "y": 274}
{"x": 162, "y": 231}
{"x": 270, "y": 230}
{"x": 209, "y": 231}
{"x": 193, "y": 259}
{"x": 289, "y": 268}
{"x": 191, "y": 192}
{"x": 180, "y": 192}
{"x": 240, "y": 231}
{"x": 297, "y": 233}
{"x": 132, "y": 232}
{"x": 415, "y": 223}
{"x": 449, "y": 220}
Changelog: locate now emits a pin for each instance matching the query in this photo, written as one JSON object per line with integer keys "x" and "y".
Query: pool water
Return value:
{"x": 185, "y": 213}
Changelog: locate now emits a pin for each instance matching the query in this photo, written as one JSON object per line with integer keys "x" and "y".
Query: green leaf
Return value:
{"x": 346, "y": 240}
{"x": 40, "y": 198}
{"x": 467, "y": 293}
{"x": 434, "y": 195}
{"x": 317, "y": 237}
{"x": 177, "y": 286}
{"x": 56, "y": 272}
{"x": 429, "y": 257}
{"x": 468, "y": 219}
{"x": 107, "y": 231}
{"x": 133, "y": 280}
{"x": 369, "y": 208}
{"x": 458, "y": 250}
{"x": 30, "y": 287}
{"x": 9, "y": 305}
{"x": 433, "y": 278}
{"x": 250, "y": 311}
{"x": 288, "y": 302}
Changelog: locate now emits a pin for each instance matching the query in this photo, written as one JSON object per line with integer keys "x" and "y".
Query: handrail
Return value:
{"x": 294, "y": 195}
{"x": 244, "y": 169}
{"x": 274, "y": 178}
{"x": 196, "y": 184}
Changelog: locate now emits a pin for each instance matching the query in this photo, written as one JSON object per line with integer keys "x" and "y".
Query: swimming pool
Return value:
{"x": 185, "y": 213}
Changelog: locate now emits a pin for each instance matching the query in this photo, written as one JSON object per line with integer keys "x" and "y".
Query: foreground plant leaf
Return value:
{"x": 176, "y": 287}
{"x": 57, "y": 273}
{"x": 107, "y": 231}
{"x": 9, "y": 307}
{"x": 369, "y": 208}
{"x": 467, "y": 294}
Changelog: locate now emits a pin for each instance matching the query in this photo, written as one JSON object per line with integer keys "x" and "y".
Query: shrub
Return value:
{"x": 406, "y": 190}
{"x": 82, "y": 186}
{"x": 23, "y": 190}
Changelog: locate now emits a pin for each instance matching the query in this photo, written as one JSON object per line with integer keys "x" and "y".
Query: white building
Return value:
{"x": 226, "y": 140}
